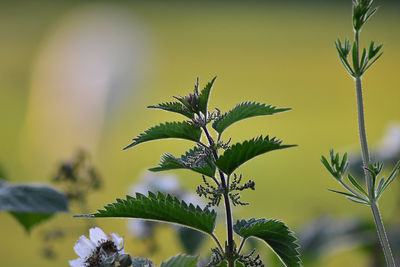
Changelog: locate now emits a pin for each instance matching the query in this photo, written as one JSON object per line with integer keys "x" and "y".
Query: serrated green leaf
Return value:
{"x": 242, "y": 111}
{"x": 205, "y": 95}
{"x": 276, "y": 234}
{"x": 182, "y": 130}
{"x": 160, "y": 207}
{"x": 204, "y": 165}
{"x": 239, "y": 153}
{"x": 181, "y": 260}
{"x": 174, "y": 107}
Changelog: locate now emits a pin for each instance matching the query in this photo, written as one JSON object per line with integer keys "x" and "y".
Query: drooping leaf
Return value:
{"x": 142, "y": 262}
{"x": 174, "y": 107}
{"x": 181, "y": 260}
{"x": 242, "y": 111}
{"x": 239, "y": 153}
{"x": 276, "y": 234}
{"x": 28, "y": 219}
{"x": 192, "y": 160}
{"x": 160, "y": 207}
{"x": 205, "y": 95}
{"x": 183, "y": 130}
{"x": 33, "y": 198}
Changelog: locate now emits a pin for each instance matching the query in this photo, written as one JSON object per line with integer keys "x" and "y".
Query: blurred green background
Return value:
{"x": 79, "y": 74}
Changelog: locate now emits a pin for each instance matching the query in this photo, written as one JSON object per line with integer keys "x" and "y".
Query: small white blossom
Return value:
{"x": 96, "y": 250}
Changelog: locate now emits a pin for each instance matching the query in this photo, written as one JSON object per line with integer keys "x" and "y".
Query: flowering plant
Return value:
{"x": 217, "y": 162}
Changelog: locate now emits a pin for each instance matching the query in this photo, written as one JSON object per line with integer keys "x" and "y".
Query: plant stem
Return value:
{"x": 225, "y": 186}
{"x": 368, "y": 179}
{"x": 382, "y": 236}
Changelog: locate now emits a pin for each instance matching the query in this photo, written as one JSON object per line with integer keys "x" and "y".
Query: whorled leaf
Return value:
{"x": 192, "y": 160}
{"x": 160, "y": 207}
{"x": 183, "y": 130}
{"x": 276, "y": 234}
{"x": 239, "y": 153}
{"x": 242, "y": 111}
{"x": 205, "y": 95}
{"x": 174, "y": 107}
{"x": 181, "y": 260}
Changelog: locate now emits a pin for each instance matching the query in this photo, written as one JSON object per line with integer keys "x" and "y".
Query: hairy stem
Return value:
{"x": 368, "y": 179}
{"x": 382, "y": 236}
{"x": 225, "y": 186}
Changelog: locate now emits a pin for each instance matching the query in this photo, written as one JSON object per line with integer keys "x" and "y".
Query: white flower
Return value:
{"x": 96, "y": 250}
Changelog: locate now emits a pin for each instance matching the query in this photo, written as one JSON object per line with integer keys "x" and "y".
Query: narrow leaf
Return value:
{"x": 205, "y": 95}
{"x": 181, "y": 260}
{"x": 242, "y": 111}
{"x": 357, "y": 201}
{"x": 379, "y": 188}
{"x": 391, "y": 177}
{"x": 183, "y": 130}
{"x": 356, "y": 185}
{"x": 160, "y": 207}
{"x": 276, "y": 234}
{"x": 348, "y": 195}
{"x": 192, "y": 160}
{"x": 174, "y": 107}
{"x": 239, "y": 153}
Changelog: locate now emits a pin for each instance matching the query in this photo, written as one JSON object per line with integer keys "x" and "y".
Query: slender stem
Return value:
{"x": 368, "y": 179}
{"x": 241, "y": 245}
{"x": 225, "y": 186}
{"x": 217, "y": 241}
{"x": 382, "y": 236}
{"x": 363, "y": 136}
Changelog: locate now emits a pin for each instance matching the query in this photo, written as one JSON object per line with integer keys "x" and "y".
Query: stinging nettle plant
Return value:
{"x": 337, "y": 166}
{"x": 216, "y": 161}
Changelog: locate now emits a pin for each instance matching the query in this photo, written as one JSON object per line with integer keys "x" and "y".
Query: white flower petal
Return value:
{"x": 79, "y": 262}
{"x": 118, "y": 241}
{"x": 97, "y": 235}
{"x": 84, "y": 247}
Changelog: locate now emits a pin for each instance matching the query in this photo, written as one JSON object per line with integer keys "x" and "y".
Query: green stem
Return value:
{"x": 382, "y": 236}
{"x": 368, "y": 179}
{"x": 229, "y": 224}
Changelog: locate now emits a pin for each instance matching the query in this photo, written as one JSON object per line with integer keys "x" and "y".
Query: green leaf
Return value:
{"x": 242, "y": 111}
{"x": 276, "y": 234}
{"x": 160, "y": 207}
{"x": 204, "y": 96}
{"x": 239, "y": 153}
{"x": 183, "y": 130}
{"x": 142, "y": 262}
{"x": 350, "y": 196}
{"x": 356, "y": 185}
{"x": 28, "y": 219}
{"x": 33, "y": 198}
{"x": 190, "y": 239}
{"x": 203, "y": 165}
{"x": 181, "y": 260}
{"x": 174, "y": 107}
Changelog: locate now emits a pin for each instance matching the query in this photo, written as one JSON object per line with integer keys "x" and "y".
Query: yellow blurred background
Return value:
{"x": 79, "y": 74}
